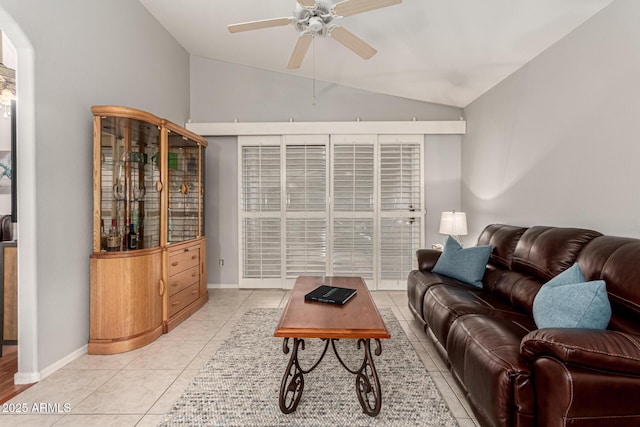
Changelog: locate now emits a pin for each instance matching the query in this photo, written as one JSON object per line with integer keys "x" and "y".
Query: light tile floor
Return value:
{"x": 137, "y": 388}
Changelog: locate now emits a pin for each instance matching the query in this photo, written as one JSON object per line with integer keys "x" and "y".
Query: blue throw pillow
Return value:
{"x": 568, "y": 301}
{"x": 466, "y": 265}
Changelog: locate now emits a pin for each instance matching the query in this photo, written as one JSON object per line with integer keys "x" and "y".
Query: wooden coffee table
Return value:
{"x": 358, "y": 319}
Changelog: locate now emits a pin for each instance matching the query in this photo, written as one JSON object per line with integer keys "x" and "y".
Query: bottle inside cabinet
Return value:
{"x": 129, "y": 173}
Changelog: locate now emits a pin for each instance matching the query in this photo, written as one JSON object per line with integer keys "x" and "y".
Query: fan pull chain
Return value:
{"x": 313, "y": 94}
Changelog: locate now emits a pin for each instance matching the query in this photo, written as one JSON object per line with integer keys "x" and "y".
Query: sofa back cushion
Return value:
{"x": 616, "y": 260}
{"x": 503, "y": 240}
{"x": 518, "y": 288}
{"x": 545, "y": 252}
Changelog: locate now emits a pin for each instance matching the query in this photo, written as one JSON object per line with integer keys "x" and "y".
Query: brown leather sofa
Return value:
{"x": 515, "y": 374}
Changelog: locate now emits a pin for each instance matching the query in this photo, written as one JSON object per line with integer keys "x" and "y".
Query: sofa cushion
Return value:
{"x": 545, "y": 252}
{"x": 484, "y": 352}
{"x": 503, "y": 240}
{"x": 444, "y": 303}
{"x": 466, "y": 265}
{"x": 418, "y": 282}
{"x": 615, "y": 260}
{"x": 567, "y": 301}
{"x": 517, "y": 288}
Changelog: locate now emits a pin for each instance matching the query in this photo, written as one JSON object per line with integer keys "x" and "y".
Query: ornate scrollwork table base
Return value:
{"x": 367, "y": 382}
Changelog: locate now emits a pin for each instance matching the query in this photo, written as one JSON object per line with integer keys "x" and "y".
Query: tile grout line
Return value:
{"x": 194, "y": 357}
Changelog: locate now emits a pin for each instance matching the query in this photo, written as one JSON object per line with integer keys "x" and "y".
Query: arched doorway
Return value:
{"x": 28, "y": 369}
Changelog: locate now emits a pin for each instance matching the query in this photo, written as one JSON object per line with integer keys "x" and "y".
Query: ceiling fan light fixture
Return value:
{"x": 315, "y": 25}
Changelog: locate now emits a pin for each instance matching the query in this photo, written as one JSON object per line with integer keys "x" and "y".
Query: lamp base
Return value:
{"x": 459, "y": 240}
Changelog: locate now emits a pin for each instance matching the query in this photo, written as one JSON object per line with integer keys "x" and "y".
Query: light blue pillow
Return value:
{"x": 568, "y": 301}
{"x": 466, "y": 265}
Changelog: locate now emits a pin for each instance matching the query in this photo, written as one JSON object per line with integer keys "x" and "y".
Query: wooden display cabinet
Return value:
{"x": 148, "y": 216}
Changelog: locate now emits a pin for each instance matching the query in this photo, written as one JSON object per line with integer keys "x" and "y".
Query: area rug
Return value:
{"x": 239, "y": 386}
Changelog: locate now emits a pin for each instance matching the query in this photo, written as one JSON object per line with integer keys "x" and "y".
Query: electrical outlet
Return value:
{"x": 221, "y": 262}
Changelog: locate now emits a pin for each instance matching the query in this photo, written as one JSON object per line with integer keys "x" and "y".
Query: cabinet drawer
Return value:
{"x": 185, "y": 278}
{"x": 183, "y": 298}
{"x": 183, "y": 259}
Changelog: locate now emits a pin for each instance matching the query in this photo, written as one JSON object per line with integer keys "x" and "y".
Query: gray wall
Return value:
{"x": 222, "y": 210}
{"x": 557, "y": 142}
{"x": 442, "y": 162}
{"x": 86, "y": 53}
{"x": 222, "y": 92}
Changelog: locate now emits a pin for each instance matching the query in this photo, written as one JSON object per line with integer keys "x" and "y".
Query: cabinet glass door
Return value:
{"x": 184, "y": 172}
{"x": 130, "y": 200}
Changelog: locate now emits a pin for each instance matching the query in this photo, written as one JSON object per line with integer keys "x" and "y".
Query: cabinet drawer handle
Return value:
{"x": 174, "y": 284}
{"x": 173, "y": 264}
{"x": 161, "y": 287}
{"x": 186, "y": 249}
{"x": 194, "y": 257}
{"x": 194, "y": 274}
{"x": 175, "y": 303}
{"x": 193, "y": 292}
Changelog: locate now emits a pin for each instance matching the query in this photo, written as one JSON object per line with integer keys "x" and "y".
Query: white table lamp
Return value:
{"x": 454, "y": 224}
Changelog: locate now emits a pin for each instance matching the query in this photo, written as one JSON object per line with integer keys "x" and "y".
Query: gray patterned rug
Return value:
{"x": 239, "y": 386}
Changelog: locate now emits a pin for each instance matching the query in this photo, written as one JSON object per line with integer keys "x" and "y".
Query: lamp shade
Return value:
{"x": 453, "y": 223}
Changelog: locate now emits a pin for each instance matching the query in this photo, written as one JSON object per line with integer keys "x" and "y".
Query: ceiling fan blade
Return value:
{"x": 256, "y": 25}
{"x": 356, "y": 44}
{"x": 353, "y": 7}
{"x": 300, "y": 50}
{"x": 307, "y": 3}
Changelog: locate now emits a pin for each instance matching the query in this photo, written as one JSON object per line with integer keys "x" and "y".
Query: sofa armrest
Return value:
{"x": 609, "y": 351}
{"x": 427, "y": 258}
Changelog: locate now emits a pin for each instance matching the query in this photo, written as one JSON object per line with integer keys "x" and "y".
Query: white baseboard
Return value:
{"x": 26, "y": 377}
{"x": 44, "y": 373}
{"x": 222, "y": 286}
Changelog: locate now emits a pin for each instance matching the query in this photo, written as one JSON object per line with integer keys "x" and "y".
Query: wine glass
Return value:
{"x": 118, "y": 191}
{"x": 139, "y": 192}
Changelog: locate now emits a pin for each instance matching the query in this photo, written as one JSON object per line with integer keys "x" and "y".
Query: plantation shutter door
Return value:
{"x": 260, "y": 211}
{"x": 353, "y": 206}
{"x": 306, "y": 206}
{"x": 401, "y": 207}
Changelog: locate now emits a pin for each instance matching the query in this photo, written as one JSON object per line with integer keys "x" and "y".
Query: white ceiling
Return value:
{"x": 442, "y": 51}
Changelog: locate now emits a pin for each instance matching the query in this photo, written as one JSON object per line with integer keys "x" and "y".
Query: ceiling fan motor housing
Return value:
{"x": 314, "y": 19}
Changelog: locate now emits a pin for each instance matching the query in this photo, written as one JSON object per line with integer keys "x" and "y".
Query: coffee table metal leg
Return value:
{"x": 367, "y": 382}
{"x": 293, "y": 380}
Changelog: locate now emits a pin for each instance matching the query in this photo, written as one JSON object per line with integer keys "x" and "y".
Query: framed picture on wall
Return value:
{"x": 6, "y": 172}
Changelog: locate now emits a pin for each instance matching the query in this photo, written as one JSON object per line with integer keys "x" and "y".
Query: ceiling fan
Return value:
{"x": 316, "y": 18}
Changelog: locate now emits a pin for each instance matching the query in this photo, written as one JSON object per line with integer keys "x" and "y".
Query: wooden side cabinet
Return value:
{"x": 148, "y": 270}
{"x": 9, "y": 271}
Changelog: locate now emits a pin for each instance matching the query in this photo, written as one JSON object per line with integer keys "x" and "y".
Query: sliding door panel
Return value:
{"x": 353, "y": 206}
{"x": 401, "y": 207}
{"x": 260, "y": 190}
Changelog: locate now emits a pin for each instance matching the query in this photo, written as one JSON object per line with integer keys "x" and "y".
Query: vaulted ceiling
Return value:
{"x": 443, "y": 51}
